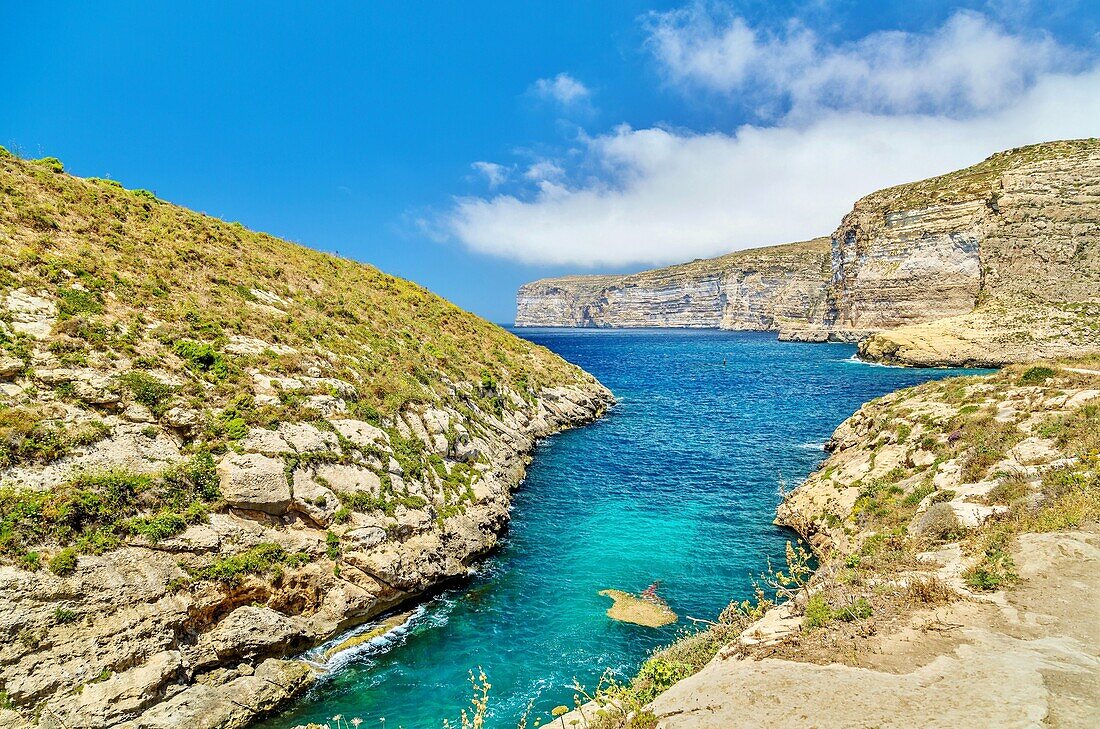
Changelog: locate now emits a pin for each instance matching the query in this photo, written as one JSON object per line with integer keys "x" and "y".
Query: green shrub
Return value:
{"x": 64, "y": 616}
{"x": 63, "y": 563}
{"x": 817, "y": 614}
{"x": 148, "y": 391}
{"x": 31, "y": 561}
{"x": 53, "y": 164}
{"x": 860, "y": 609}
{"x": 202, "y": 357}
{"x": 73, "y": 302}
{"x": 144, "y": 195}
{"x": 657, "y": 675}
{"x": 156, "y": 528}
{"x": 1036, "y": 375}
{"x": 260, "y": 560}
{"x": 332, "y": 545}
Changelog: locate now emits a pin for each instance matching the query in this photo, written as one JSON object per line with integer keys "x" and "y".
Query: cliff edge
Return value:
{"x": 218, "y": 448}
{"x": 992, "y": 264}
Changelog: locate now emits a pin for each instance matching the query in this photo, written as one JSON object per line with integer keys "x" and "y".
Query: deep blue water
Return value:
{"x": 678, "y": 483}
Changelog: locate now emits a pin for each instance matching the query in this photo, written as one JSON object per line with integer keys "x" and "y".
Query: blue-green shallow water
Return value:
{"x": 678, "y": 483}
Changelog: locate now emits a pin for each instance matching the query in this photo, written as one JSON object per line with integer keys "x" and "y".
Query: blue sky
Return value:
{"x": 473, "y": 146}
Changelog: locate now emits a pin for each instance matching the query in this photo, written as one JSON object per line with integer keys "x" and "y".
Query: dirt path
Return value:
{"x": 1025, "y": 658}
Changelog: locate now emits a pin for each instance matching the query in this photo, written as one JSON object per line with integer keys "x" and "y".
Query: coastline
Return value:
{"x": 252, "y": 676}
{"x": 940, "y": 572}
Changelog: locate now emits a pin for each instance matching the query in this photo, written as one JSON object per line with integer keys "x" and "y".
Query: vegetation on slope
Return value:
{"x": 141, "y": 278}
{"x": 976, "y": 181}
{"x": 172, "y": 310}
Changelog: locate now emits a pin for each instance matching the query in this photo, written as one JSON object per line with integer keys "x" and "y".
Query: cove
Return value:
{"x": 678, "y": 483}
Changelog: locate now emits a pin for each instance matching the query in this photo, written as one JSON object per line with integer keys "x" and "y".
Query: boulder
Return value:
{"x": 305, "y": 438}
{"x": 10, "y": 367}
{"x": 251, "y": 631}
{"x": 313, "y": 499}
{"x": 255, "y": 482}
{"x": 31, "y": 315}
{"x": 360, "y": 433}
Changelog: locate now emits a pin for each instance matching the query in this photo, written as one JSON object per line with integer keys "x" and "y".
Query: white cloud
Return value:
{"x": 969, "y": 65}
{"x": 544, "y": 170}
{"x": 563, "y": 88}
{"x": 495, "y": 174}
{"x": 657, "y": 196}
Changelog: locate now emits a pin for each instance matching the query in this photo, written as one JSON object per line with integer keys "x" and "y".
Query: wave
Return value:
{"x": 854, "y": 359}
{"x": 377, "y": 645}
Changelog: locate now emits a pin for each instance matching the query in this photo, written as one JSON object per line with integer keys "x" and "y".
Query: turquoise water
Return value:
{"x": 678, "y": 483}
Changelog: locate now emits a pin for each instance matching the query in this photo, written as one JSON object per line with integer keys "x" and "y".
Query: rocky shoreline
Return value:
{"x": 218, "y": 449}
{"x": 957, "y": 529}
{"x": 142, "y": 643}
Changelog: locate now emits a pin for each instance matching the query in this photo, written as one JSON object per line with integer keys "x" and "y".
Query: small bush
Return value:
{"x": 332, "y": 545}
{"x": 74, "y": 302}
{"x": 53, "y": 164}
{"x": 64, "y": 616}
{"x": 261, "y": 559}
{"x": 202, "y": 357}
{"x": 930, "y": 591}
{"x": 1036, "y": 375}
{"x": 148, "y": 391}
{"x": 938, "y": 523}
{"x": 31, "y": 561}
{"x": 657, "y": 675}
{"x": 817, "y": 614}
{"x": 64, "y": 562}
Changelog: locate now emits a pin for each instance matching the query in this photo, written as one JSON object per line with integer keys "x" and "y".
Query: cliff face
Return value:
{"x": 1035, "y": 213}
{"x": 955, "y": 526}
{"x": 753, "y": 290}
{"x": 218, "y": 448}
{"x": 986, "y": 265}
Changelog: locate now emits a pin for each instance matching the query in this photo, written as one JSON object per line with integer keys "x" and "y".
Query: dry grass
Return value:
{"x": 135, "y": 275}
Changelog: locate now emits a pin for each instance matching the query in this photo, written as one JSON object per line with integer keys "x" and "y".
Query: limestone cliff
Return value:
{"x": 995, "y": 263}
{"x": 753, "y": 290}
{"x": 955, "y": 529}
{"x": 218, "y": 448}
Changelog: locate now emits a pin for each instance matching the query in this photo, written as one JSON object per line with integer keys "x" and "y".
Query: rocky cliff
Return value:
{"x": 992, "y": 264}
{"x": 218, "y": 448}
{"x": 753, "y": 290}
{"x": 955, "y": 528}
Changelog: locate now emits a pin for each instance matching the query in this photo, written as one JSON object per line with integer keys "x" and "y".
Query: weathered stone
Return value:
{"x": 31, "y": 315}
{"x": 361, "y": 434}
{"x": 268, "y": 442}
{"x": 305, "y": 438}
{"x": 10, "y": 367}
{"x": 254, "y": 482}
{"x": 313, "y": 499}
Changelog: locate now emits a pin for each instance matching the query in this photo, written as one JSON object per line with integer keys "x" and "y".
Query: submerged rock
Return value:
{"x": 630, "y": 608}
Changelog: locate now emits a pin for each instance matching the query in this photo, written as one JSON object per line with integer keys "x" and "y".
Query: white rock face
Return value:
{"x": 31, "y": 315}
{"x": 254, "y": 482}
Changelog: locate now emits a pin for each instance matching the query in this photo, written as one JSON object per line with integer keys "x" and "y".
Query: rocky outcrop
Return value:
{"x": 748, "y": 290}
{"x": 221, "y": 449}
{"x": 996, "y": 263}
{"x": 955, "y": 526}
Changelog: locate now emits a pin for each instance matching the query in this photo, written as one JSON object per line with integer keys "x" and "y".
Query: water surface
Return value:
{"x": 678, "y": 483}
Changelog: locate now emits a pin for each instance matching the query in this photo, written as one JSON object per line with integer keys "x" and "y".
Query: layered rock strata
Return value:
{"x": 988, "y": 265}
{"x": 747, "y": 290}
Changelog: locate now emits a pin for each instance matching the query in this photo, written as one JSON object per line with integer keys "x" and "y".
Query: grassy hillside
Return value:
{"x": 136, "y": 276}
